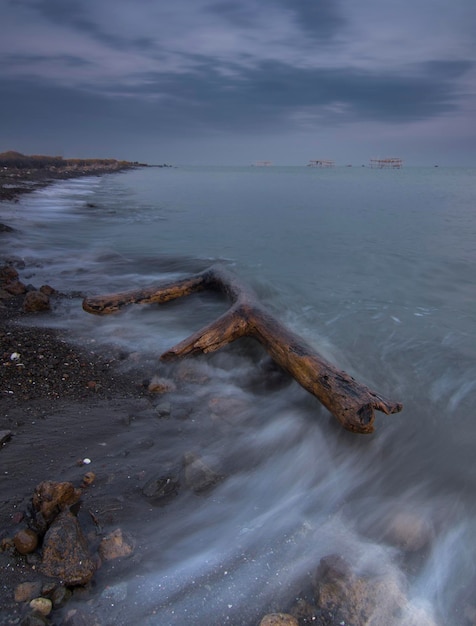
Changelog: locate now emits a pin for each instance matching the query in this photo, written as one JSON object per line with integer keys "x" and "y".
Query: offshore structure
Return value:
{"x": 262, "y": 163}
{"x": 389, "y": 163}
{"x": 321, "y": 163}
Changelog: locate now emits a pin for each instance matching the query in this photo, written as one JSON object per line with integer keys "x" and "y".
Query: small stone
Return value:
{"x": 278, "y": 619}
{"x": 5, "y": 435}
{"x": 24, "y": 592}
{"x": 115, "y": 545}
{"x": 25, "y": 541}
{"x": 161, "y": 385}
{"x": 6, "y": 544}
{"x": 18, "y": 517}
{"x": 161, "y": 489}
{"x": 36, "y": 301}
{"x": 198, "y": 476}
{"x": 47, "y": 290}
{"x": 228, "y": 408}
{"x": 164, "y": 409}
{"x": 60, "y": 596}
{"x": 88, "y": 479}
{"x": 41, "y": 605}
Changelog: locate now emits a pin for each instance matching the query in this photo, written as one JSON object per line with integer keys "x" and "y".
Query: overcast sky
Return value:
{"x": 235, "y": 81}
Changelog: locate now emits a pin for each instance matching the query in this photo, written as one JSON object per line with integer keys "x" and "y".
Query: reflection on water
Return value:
{"x": 374, "y": 272}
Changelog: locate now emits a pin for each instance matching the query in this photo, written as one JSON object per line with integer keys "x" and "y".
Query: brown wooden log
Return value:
{"x": 351, "y": 402}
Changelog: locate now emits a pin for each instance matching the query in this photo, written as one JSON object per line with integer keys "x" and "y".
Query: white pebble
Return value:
{"x": 14, "y": 356}
{"x": 86, "y": 461}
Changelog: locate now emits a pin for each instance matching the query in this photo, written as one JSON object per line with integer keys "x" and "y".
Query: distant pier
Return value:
{"x": 321, "y": 163}
{"x": 393, "y": 163}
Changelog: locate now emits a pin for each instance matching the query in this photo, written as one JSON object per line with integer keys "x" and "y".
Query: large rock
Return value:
{"x": 357, "y": 600}
{"x": 65, "y": 552}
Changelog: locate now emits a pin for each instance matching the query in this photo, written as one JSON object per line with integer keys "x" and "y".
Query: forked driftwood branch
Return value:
{"x": 351, "y": 402}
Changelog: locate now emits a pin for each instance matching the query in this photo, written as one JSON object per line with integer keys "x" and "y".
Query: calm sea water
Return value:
{"x": 375, "y": 268}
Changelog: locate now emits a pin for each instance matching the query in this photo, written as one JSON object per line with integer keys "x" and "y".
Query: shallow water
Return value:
{"x": 376, "y": 269}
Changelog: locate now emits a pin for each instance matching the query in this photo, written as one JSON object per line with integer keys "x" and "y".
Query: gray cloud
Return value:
{"x": 210, "y": 67}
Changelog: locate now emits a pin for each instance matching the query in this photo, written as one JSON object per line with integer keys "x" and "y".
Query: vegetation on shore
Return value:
{"x": 20, "y": 173}
{"x": 16, "y": 160}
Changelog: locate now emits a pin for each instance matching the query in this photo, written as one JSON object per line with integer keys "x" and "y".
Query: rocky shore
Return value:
{"x": 73, "y": 478}
{"x": 22, "y": 174}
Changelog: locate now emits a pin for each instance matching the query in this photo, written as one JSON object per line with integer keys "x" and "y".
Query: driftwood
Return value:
{"x": 352, "y": 403}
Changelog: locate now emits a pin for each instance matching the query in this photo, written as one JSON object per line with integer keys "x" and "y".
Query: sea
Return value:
{"x": 375, "y": 269}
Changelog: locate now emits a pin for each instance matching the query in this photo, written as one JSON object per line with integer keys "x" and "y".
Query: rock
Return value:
{"x": 50, "y": 498}
{"x": 163, "y": 409}
{"x": 24, "y": 592}
{"x": 88, "y": 479}
{"x": 36, "y": 301}
{"x": 4, "y": 228}
{"x": 198, "y": 476}
{"x": 47, "y": 290}
{"x": 115, "y": 545}
{"x": 41, "y": 605}
{"x": 15, "y": 288}
{"x": 5, "y": 435}
{"x": 65, "y": 552}
{"x": 161, "y": 489}
{"x": 192, "y": 372}
{"x": 278, "y": 619}
{"x": 356, "y": 600}
{"x": 25, "y": 541}
{"x": 409, "y": 531}
{"x": 161, "y": 385}
{"x": 60, "y": 596}
{"x": 227, "y": 407}
{"x": 8, "y": 274}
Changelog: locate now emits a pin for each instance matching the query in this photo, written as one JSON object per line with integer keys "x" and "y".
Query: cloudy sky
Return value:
{"x": 235, "y": 81}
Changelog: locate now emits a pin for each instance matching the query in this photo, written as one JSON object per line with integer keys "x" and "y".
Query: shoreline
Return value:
{"x": 57, "y": 399}
{"x": 16, "y": 181}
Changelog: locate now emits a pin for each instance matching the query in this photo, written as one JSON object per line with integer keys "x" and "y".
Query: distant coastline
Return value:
{"x": 20, "y": 173}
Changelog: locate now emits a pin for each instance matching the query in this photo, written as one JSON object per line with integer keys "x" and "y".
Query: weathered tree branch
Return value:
{"x": 351, "y": 402}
